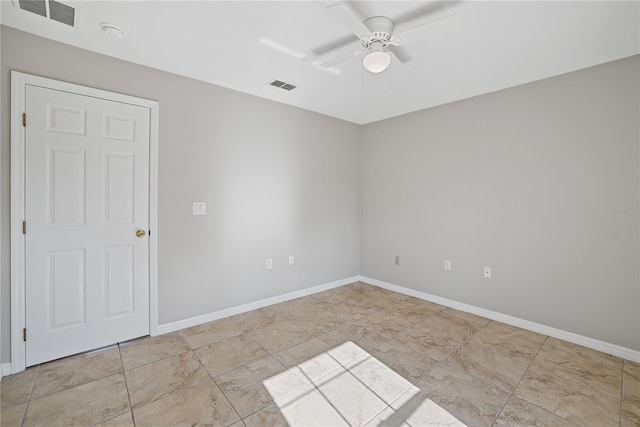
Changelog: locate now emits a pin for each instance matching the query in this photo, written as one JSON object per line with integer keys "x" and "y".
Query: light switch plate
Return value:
{"x": 199, "y": 208}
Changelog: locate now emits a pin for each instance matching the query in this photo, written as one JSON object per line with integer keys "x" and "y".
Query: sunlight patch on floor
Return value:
{"x": 347, "y": 386}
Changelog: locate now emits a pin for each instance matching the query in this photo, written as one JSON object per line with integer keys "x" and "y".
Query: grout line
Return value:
{"x": 621, "y": 393}
{"x": 126, "y": 386}
{"x": 518, "y": 383}
{"x": 218, "y": 385}
{"x": 33, "y": 386}
{"x": 154, "y": 361}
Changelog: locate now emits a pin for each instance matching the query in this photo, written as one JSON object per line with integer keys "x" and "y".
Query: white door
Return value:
{"x": 87, "y": 207}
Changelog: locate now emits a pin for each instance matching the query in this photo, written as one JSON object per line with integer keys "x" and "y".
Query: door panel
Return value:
{"x": 87, "y": 193}
{"x": 66, "y": 184}
{"x": 65, "y": 289}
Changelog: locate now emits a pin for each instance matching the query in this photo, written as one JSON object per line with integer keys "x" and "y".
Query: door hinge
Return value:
{"x": 24, "y": 119}
{"x": 24, "y": 334}
{"x": 149, "y": 232}
{"x": 24, "y": 227}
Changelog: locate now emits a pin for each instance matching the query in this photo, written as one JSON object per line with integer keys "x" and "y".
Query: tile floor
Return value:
{"x": 354, "y": 355}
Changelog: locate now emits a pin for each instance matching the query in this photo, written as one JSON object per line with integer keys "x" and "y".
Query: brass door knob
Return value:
{"x": 140, "y": 233}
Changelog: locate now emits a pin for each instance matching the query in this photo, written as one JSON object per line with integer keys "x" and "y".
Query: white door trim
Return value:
{"x": 19, "y": 81}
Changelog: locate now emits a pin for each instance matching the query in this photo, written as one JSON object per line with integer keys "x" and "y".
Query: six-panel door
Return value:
{"x": 87, "y": 194}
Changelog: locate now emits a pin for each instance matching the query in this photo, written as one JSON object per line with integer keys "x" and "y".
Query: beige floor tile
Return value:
{"x": 512, "y": 346}
{"x": 630, "y": 413}
{"x": 302, "y": 352}
{"x": 279, "y": 335}
{"x": 518, "y": 412}
{"x": 203, "y": 404}
{"x": 224, "y": 356}
{"x": 209, "y": 333}
{"x": 316, "y": 326}
{"x": 244, "y": 386}
{"x": 312, "y": 319}
{"x": 295, "y": 307}
{"x": 324, "y": 299}
{"x": 631, "y": 394}
{"x": 581, "y": 369}
{"x": 354, "y": 401}
{"x": 395, "y": 296}
{"x": 632, "y": 368}
{"x": 358, "y": 326}
{"x": 255, "y": 319}
{"x": 477, "y": 322}
{"x": 460, "y": 327}
{"x": 519, "y": 332}
{"x": 597, "y": 356}
{"x": 346, "y": 352}
{"x": 570, "y": 400}
{"x": 472, "y": 401}
{"x": 385, "y": 323}
{"x": 631, "y": 381}
{"x": 124, "y": 420}
{"x": 156, "y": 380}
{"x": 150, "y": 349}
{"x": 318, "y": 366}
{"x": 378, "y": 377}
{"x": 438, "y": 336}
{"x": 306, "y": 406}
{"x": 415, "y": 309}
{"x": 353, "y": 291}
{"x": 415, "y": 408}
{"x": 357, "y": 334}
{"x": 267, "y": 416}
{"x": 404, "y": 357}
{"x": 390, "y": 418}
{"x": 11, "y": 416}
{"x": 381, "y": 300}
{"x": 73, "y": 371}
{"x": 87, "y": 404}
{"x": 351, "y": 310}
{"x": 479, "y": 361}
{"x": 15, "y": 389}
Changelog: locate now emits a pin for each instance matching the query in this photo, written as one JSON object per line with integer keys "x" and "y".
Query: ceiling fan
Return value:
{"x": 377, "y": 37}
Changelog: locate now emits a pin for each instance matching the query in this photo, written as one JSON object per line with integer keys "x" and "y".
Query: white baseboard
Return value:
{"x": 216, "y": 315}
{"x": 5, "y": 369}
{"x": 594, "y": 344}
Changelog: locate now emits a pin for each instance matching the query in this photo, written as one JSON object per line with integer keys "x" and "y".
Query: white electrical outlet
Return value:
{"x": 292, "y": 260}
{"x": 269, "y": 264}
{"x": 487, "y": 272}
{"x": 397, "y": 260}
{"x": 199, "y": 208}
{"x": 447, "y": 265}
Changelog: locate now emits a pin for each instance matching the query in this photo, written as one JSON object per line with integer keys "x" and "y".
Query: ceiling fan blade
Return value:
{"x": 399, "y": 52}
{"x": 338, "y": 60}
{"x": 398, "y": 61}
{"x": 421, "y": 32}
{"x": 342, "y": 13}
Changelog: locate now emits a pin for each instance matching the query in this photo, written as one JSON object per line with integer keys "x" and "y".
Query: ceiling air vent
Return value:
{"x": 281, "y": 84}
{"x": 60, "y": 11}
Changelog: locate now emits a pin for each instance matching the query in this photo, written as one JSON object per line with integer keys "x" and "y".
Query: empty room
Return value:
{"x": 319, "y": 213}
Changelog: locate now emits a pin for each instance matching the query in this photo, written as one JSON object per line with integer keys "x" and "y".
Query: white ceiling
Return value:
{"x": 231, "y": 43}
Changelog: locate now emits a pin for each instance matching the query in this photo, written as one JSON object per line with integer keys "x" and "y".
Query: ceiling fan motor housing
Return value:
{"x": 381, "y": 30}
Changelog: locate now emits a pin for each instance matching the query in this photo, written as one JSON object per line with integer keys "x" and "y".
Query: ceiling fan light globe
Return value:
{"x": 376, "y": 62}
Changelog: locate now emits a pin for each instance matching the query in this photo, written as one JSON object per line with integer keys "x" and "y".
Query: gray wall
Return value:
{"x": 278, "y": 180}
{"x": 519, "y": 180}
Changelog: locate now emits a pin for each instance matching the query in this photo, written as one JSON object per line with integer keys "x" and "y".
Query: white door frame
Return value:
{"x": 19, "y": 81}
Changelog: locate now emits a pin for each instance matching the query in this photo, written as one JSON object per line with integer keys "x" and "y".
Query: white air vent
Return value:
{"x": 56, "y": 10}
{"x": 281, "y": 84}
